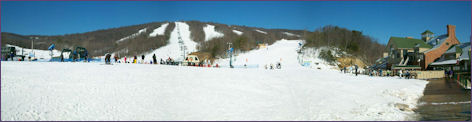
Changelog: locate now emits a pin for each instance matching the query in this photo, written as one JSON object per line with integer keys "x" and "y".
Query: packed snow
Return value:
{"x": 132, "y": 36}
{"x": 92, "y": 91}
{"x": 237, "y": 32}
{"x": 159, "y": 31}
{"x": 172, "y": 49}
{"x": 261, "y": 31}
{"x": 283, "y": 51}
{"x": 211, "y": 33}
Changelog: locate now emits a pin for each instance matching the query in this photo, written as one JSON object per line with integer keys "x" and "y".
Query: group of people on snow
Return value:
{"x": 277, "y": 65}
{"x": 351, "y": 69}
{"x": 154, "y": 60}
{"x": 136, "y": 60}
{"x": 407, "y": 74}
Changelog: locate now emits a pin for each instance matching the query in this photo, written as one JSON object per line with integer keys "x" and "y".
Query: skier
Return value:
{"x": 86, "y": 56}
{"x": 279, "y": 66}
{"x": 345, "y": 70}
{"x": 400, "y": 73}
{"x": 135, "y": 60}
{"x": 142, "y": 57}
{"x": 75, "y": 55}
{"x": 116, "y": 58}
{"x": 107, "y": 58}
{"x": 154, "y": 59}
{"x": 407, "y": 74}
{"x": 356, "y": 69}
{"x": 245, "y": 66}
{"x": 11, "y": 55}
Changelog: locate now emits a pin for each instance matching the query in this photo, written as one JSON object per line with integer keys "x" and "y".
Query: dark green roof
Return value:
{"x": 427, "y": 32}
{"x": 403, "y": 42}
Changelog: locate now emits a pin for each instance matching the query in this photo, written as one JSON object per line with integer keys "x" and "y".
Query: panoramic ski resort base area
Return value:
{"x": 92, "y": 91}
{"x": 124, "y": 91}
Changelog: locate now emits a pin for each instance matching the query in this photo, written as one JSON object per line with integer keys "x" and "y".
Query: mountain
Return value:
{"x": 145, "y": 38}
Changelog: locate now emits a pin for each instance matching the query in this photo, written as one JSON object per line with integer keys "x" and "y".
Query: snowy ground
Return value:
{"x": 92, "y": 91}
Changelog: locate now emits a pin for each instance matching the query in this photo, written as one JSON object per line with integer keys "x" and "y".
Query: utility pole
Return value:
{"x": 32, "y": 44}
{"x": 345, "y": 47}
{"x": 304, "y": 34}
{"x": 230, "y": 50}
{"x": 328, "y": 43}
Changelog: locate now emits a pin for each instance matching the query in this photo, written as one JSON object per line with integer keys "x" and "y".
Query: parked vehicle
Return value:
{"x": 191, "y": 60}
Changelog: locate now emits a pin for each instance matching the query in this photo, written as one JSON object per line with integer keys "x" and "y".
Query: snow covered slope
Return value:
{"x": 65, "y": 91}
{"x": 211, "y": 33}
{"x": 133, "y": 35}
{"x": 261, "y": 31}
{"x": 291, "y": 34}
{"x": 283, "y": 51}
{"x": 238, "y": 32}
{"x": 159, "y": 31}
{"x": 172, "y": 49}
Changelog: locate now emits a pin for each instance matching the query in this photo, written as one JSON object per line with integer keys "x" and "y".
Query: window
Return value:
{"x": 196, "y": 59}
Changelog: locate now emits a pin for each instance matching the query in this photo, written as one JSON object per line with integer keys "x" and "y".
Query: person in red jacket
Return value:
{"x": 125, "y": 59}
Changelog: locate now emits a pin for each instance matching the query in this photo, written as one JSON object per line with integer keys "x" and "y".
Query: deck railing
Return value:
{"x": 463, "y": 78}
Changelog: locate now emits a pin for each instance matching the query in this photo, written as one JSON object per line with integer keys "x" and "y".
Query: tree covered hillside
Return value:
{"x": 351, "y": 41}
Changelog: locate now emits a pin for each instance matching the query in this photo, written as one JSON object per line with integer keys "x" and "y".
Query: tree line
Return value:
{"x": 351, "y": 41}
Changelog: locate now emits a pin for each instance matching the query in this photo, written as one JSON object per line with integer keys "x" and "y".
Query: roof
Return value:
{"x": 427, "y": 32}
{"x": 463, "y": 49}
{"x": 458, "y": 48}
{"x": 441, "y": 38}
{"x": 465, "y": 53}
{"x": 446, "y": 62}
{"x": 402, "y": 42}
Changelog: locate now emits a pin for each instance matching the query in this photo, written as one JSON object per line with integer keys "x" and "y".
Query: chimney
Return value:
{"x": 451, "y": 30}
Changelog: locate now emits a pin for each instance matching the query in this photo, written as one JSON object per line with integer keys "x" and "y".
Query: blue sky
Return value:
{"x": 378, "y": 19}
